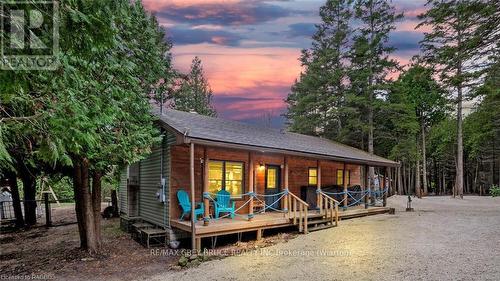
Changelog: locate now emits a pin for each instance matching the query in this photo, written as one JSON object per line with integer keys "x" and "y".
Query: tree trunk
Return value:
{"x": 459, "y": 180}
{"x": 29, "y": 188}
{"x": 88, "y": 213}
{"x": 77, "y": 183}
{"x": 96, "y": 205}
{"x": 16, "y": 199}
{"x": 424, "y": 158}
{"x": 89, "y": 238}
{"x": 418, "y": 188}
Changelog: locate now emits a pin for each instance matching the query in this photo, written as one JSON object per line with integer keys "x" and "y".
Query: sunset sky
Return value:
{"x": 250, "y": 48}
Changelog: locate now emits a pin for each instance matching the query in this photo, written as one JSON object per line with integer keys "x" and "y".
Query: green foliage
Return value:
{"x": 194, "y": 93}
{"x": 495, "y": 190}
{"x": 96, "y": 105}
{"x": 464, "y": 34}
{"x": 482, "y": 126}
{"x": 345, "y": 76}
{"x": 320, "y": 90}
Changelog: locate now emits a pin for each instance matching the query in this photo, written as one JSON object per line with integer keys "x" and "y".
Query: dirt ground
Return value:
{"x": 444, "y": 239}
{"x": 43, "y": 253}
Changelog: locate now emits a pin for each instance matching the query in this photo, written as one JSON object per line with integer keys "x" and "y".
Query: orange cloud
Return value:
{"x": 232, "y": 70}
{"x": 157, "y": 5}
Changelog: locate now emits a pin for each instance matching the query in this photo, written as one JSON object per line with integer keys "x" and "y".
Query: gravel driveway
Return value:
{"x": 444, "y": 239}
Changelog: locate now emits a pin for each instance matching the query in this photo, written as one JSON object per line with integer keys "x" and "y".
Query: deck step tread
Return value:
{"x": 318, "y": 221}
{"x": 321, "y": 227}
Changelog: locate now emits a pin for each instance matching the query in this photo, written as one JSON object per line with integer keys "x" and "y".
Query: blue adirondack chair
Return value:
{"x": 223, "y": 204}
{"x": 185, "y": 204}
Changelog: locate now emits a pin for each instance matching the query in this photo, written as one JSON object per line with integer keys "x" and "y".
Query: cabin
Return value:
{"x": 211, "y": 177}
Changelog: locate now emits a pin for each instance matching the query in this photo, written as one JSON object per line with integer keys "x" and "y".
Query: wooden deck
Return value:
{"x": 263, "y": 221}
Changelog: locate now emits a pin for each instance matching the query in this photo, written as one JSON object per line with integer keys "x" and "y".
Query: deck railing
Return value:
{"x": 328, "y": 207}
{"x": 297, "y": 211}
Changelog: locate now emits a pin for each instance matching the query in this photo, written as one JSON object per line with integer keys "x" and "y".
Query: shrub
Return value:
{"x": 495, "y": 190}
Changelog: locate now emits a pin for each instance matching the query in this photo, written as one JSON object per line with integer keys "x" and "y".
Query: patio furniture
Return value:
{"x": 223, "y": 204}
{"x": 185, "y": 204}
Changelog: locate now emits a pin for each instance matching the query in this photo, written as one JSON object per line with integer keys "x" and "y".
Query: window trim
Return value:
{"x": 309, "y": 176}
{"x": 278, "y": 176}
{"x": 348, "y": 172}
{"x": 243, "y": 176}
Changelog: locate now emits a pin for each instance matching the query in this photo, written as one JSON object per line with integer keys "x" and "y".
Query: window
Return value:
{"x": 224, "y": 175}
{"x": 313, "y": 176}
{"x": 340, "y": 177}
{"x": 272, "y": 176}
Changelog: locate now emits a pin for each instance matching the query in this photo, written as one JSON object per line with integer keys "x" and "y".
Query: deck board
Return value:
{"x": 261, "y": 221}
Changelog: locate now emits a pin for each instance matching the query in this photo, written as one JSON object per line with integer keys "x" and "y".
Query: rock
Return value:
{"x": 87, "y": 259}
{"x": 194, "y": 263}
{"x": 183, "y": 261}
{"x": 175, "y": 267}
{"x": 193, "y": 257}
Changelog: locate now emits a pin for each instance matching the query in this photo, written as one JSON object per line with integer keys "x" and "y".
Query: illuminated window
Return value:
{"x": 313, "y": 176}
{"x": 227, "y": 176}
{"x": 215, "y": 176}
{"x": 272, "y": 175}
{"x": 340, "y": 177}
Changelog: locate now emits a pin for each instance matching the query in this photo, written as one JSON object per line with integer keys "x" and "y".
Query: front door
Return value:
{"x": 273, "y": 183}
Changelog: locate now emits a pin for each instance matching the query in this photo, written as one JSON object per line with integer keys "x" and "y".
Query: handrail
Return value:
{"x": 299, "y": 218}
{"x": 329, "y": 197}
{"x": 328, "y": 206}
{"x": 298, "y": 199}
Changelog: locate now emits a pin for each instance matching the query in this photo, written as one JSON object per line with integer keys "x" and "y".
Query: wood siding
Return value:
{"x": 298, "y": 171}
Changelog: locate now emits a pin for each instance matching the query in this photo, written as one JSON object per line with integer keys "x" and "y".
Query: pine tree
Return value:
{"x": 94, "y": 112}
{"x": 426, "y": 98}
{"x": 464, "y": 34}
{"x": 194, "y": 93}
{"x": 315, "y": 99}
{"x": 369, "y": 67}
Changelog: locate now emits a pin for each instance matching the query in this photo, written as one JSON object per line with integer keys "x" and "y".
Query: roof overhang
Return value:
{"x": 261, "y": 149}
{"x": 184, "y": 138}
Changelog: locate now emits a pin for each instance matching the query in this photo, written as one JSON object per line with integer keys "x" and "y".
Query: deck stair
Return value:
{"x": 319, "y": 223}
{"x": 327, "y": 216}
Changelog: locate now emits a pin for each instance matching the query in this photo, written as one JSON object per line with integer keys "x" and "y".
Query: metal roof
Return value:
{"x": 212, "y": 130}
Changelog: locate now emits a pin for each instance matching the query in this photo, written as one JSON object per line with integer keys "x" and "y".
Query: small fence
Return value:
{"x": 42, "y": 208}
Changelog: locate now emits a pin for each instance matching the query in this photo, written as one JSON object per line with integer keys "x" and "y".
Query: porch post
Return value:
{"x": 286, "y": 210}
{"x": 250, "y": 185}
{"x": 388, "y": 179}
{"x": 345, "y": 186}
{"x": 367, "y": 185}
{"x": 206, "y": 202}
{"x": 191, "y": 177}
{"x": 318, "y": 186}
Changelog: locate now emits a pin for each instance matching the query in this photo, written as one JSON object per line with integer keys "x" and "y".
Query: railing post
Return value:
{"x": 192, "y": 190}
{"x": 285, "y": 203}
{"x": 344, "y": 181}
{"x": 300, "y": 218}
{"x": 318, "y": 187}
{"x": 48, "y": 217}
{"x": 250, "y": 186}
{"x": 305, "y": 219}
{"x": 336, "y": 214}
{"x": 206, "y": 202}
{"x": 387, "y": 182}
{"x": 367, "y": 186}
{"x": 294, "y": 210}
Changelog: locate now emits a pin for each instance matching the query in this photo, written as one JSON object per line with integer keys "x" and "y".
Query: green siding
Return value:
{"x": 123, "y": 192}
{"x": 150, "y": 208}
